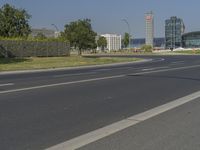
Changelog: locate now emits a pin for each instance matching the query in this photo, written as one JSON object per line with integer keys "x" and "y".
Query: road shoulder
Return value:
{"x": 175, "y": 129}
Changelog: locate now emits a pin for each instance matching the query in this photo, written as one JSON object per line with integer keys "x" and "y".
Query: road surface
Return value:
{"x": 40, "y": 110}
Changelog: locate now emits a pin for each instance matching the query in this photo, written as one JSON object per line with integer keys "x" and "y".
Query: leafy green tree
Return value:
{"x": 80, "y": 34}
{"x": 14, "y": 22}
{"x": 147, "y": 48}
{"x": 102, "y": 42}
{"x": 125, "y": 40}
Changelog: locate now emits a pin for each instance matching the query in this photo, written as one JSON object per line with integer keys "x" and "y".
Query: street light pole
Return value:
{"x": 129, "y": 30}
{"x": 55, "y": 27}
{"x": 56, "y": 34}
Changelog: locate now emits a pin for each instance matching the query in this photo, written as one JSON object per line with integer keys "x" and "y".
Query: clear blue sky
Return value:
{"x": 106, "y": 15}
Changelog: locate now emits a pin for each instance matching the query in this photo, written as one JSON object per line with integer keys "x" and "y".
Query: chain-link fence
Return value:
{"x": 19, "y": 48}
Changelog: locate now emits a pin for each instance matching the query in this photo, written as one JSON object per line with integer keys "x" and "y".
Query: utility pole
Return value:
{"x": 57, "y": 30}
{"x": 129, "y": 31}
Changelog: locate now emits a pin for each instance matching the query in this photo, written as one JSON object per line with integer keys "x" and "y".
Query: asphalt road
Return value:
{"x": 40, "y": 110}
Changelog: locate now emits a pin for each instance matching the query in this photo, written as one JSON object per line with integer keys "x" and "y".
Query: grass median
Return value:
{"x": 188, "y": 52}
{"x": 14, "y": 64}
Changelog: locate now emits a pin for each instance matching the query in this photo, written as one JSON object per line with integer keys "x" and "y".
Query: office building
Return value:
{"x": 139, "y": 42}
{"x": 174, "y": 28}
{"x": 149, "y": 19}
{"x": 191, "y": 40}
{"x": 113, "y": 41}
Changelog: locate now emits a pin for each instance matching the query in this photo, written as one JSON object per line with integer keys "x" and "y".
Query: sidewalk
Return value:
{"x": 177, "y": 129}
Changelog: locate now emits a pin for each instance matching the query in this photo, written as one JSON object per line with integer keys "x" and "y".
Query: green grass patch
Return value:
{"x": 12, "y": 64}
{"x": 188, "y": 52}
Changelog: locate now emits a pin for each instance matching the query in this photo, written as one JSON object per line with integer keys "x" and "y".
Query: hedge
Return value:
{"x": 24, "y": 48}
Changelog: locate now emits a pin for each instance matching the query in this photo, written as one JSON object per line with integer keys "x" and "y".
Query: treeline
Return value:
{"x": 14, "y": 25}
{"x": 79, "y": 34}
{"x": 16, "y": 39}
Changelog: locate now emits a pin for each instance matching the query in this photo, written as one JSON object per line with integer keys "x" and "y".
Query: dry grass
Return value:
{"x": 10, "y": 64}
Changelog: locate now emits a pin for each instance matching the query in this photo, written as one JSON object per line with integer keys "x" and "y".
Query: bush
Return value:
{"x": 147, "y": 48}
{"x": 31, "y": 48}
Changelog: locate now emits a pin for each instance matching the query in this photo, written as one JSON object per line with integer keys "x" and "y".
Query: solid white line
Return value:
{"x": 98, "y": 134}
{"x": 60, "y": 84}
{"x": 96, "y": 79}
{"x": 7, "y": 84}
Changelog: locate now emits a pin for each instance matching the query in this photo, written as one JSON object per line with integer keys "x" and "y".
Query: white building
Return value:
{"x": 113, "y": 41}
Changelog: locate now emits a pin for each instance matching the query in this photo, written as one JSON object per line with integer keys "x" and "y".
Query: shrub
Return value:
{"x": 31, "y": 48}
{"x": 147, "y": 48}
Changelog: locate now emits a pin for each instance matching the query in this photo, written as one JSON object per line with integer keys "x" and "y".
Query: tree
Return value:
{"x": 102, "y": 42}
{"x": 80, "y": 35}
{"x": 125, "y": 40}
{"x": 14, "y": 22}
{"x": 147, "y": 48}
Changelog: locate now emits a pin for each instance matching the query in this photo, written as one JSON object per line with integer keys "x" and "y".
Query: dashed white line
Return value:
{"x": 149, "y": 69}
{"x": 164, "y": 70}
{"x": 96, "y": 79}
{"x": 6, "y": 84}
{"x": 177, "y": 62}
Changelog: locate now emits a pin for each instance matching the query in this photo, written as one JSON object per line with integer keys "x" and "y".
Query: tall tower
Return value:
{"x": 174, "y": 28}
{"x": 149, "y": 19}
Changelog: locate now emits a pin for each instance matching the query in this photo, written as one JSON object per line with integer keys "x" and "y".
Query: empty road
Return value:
{"x": 39, "y": 110}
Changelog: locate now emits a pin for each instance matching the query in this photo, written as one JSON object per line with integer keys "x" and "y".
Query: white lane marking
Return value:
{"x": 75, "y": 74}
{"x": 96, "y": 79}
{"x": 60, "y": 84}
{"x": 177, "y": 62}
{"x": 149, "y": 69}
{"x": 158, "y": 60}
{"x": 164, "y": 70}
{"x": 6, "y": 84}
{"x": 98, "y": 134}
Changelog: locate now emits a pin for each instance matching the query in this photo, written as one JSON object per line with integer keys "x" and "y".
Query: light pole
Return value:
{"x": 129, "y": 31}
{"x": 57, "y": 30}
{"x": 55, "y": 27}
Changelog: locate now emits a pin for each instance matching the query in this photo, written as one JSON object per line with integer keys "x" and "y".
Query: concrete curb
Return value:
{"x": 71, "y": 68}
